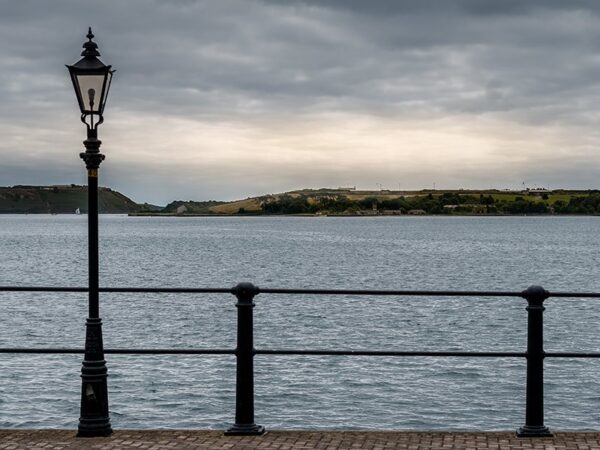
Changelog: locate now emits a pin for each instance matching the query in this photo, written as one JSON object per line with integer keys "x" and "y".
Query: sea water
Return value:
{"x": 316, "y": 392}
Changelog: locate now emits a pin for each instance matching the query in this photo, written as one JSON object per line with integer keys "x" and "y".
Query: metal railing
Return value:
{"x": 245, "y": 351}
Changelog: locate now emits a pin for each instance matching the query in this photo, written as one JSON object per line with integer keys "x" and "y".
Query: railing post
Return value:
{"x": 244, "y": 387}
{"x": 534, "y": 409}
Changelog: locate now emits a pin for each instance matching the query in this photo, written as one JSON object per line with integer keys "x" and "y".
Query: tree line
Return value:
{"x": 446, "y": 203}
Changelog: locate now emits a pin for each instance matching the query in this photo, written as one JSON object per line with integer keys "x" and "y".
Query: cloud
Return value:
{"x": 228, "y": 99}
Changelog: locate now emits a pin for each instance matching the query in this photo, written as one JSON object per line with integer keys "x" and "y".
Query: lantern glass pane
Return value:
{"x": 107, "y": 87}
{"x": 90, "y": 87}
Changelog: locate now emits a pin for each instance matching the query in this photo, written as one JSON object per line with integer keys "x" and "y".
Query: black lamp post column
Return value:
{"x": 91, "y": 80}
{"x": 94, "y": 419}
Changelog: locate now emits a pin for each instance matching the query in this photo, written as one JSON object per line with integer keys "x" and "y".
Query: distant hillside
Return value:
{"x": 61, "y": 200}
{"x": 190, "y": 207}
{"x": 345, "y": 201}
{"x": 341, "y": 202}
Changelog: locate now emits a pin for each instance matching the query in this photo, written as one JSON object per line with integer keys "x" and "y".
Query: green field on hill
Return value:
{"x": 450, "y": 202}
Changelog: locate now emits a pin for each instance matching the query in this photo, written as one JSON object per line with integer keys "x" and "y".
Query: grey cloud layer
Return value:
{"x": 532, "y": 62}
{"x": 242, "y": 57}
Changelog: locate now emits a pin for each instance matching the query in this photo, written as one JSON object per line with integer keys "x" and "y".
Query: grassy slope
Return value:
{"x": 60, "y": 200}
{"x": 249, "y": 205}
{"x": 253, "y": 204}
{"x": 552, "y": 198}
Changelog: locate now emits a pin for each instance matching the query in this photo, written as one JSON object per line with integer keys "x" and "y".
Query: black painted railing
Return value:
{"x": 246, "y": 292}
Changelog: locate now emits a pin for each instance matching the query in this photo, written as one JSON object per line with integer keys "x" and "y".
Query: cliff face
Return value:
{"x": 61, "y": 200}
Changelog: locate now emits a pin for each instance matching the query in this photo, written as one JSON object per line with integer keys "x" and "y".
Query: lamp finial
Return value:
{"x": 90, "y": 47}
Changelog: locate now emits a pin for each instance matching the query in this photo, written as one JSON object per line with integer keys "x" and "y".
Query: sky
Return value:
{"x": 226, "y": 99}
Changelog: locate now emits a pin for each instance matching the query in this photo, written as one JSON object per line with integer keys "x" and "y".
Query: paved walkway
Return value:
{"x": 291, "y": 440}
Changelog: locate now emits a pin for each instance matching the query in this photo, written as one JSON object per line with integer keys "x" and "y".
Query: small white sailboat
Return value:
{"x": 77, "y": 211}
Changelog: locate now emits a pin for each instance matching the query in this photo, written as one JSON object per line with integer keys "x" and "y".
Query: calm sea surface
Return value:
{"x": 504, "y": 253}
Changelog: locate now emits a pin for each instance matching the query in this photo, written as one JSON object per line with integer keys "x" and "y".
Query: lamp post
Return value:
{"x": 91, "y": 80}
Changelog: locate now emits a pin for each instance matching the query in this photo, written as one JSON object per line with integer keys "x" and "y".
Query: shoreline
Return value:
{"x": 358, "y": 215}
{"x": 299, "y": 215}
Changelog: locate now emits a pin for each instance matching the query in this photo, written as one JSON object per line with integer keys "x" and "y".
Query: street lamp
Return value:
{"x": 91, "y": 80}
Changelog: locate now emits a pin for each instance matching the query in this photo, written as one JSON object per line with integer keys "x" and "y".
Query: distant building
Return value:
{"x": 538, "y": 191}
{"x": 416, "y": 212}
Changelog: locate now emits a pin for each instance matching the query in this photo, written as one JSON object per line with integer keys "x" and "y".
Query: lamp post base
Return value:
{"x": 534, "y": 431}
{"x": 94, "y": 420}
{"x": 245, "y": 430}
{"x": 94, "y": 428}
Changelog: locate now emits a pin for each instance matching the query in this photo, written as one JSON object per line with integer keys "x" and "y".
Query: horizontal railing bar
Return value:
{"x": 268, "y": 291}
{"x": 575, "y": 294}
{"x": 176, "y": 290}
{"x": 128, "y": 351}
{"x": 170, "y": 290}
{"x": 391, "y": 353}
{"x": 265, "y": 291}
{"x": 42, "y": 289}
{"x": 166, "y": 351}
{"x": 571, "y": 355}
{"x": 219, "y": 351}
{"x": 117, "y": 289}
{"x": 172, "y": 351}
{"x": 391, "y": 292}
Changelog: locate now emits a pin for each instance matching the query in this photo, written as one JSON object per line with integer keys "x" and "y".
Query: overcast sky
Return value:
{"x": 226, "y": 99}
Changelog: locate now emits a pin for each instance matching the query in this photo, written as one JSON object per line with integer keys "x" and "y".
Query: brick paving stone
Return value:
{"x": 291, "y": 440}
